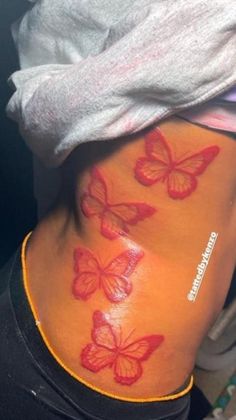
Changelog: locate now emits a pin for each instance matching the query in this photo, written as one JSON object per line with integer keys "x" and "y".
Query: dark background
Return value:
{"x": 17, "y": 203}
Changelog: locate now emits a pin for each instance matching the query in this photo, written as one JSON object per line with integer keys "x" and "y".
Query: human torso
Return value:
{"x": 176, "y": 247}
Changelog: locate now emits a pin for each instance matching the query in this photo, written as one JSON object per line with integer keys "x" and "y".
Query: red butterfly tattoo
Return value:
{"x": 159, "y": 165}
{"x": 113, "y": 278}
{"x": 115, "y": 218}
{"x": 109, "y": 350}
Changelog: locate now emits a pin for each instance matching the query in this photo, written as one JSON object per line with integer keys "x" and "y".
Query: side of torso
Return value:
{"x": 178, "y": 256}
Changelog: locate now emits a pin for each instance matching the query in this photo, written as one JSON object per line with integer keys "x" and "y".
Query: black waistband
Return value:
{"x": 81, "y": 399}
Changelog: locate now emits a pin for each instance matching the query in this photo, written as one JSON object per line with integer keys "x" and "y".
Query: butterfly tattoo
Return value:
{"x": 113, "y": 278}
{"x": 109, "y": 350}
{"x": 178, "y": 174}
{"x": 114, "y": 218}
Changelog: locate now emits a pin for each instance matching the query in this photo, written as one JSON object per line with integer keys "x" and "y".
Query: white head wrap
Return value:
{"x": 101, "y": 69}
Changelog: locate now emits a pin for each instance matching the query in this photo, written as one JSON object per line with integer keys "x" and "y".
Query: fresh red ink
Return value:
{"x": 159, "y": 165}
{"x": 113, "y": 278}
{"x": 108, "y": 349}
{"x": 115, "y": 218}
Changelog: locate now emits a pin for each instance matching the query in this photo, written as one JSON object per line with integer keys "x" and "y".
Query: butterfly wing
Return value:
{"x": 102, "y": 352}
{"x": 94, "y": 201}
{"x": 85, "y": 261}
{"x": 91, "y": 206}
{"x": 116, "y": 218}
{"x": 149, "y": 171}
{"x": 157, "y": 148}
{"x": 97, "y": 187}
{"x": 197, "y": 163}
{"x": 95, "y": 358}
{"x": 103, "y": 334}
{"x": 180, "y": 184}
{"x": 116, "y": 288}
{"x": 142, "y": 348}
{"x": 127, "y": 370}
{"x": 182, "y": 179}
{"x": 127, "y": 366}
{"x": 125, "y": 263}
{"x": 87, "y": 269}
{"x": 112, "y": 226}
{"x": 85, "y": 285}
{"x": 156, "y": 165}
{"x": 132, "y": 213}
{"x": 115, "y": 278}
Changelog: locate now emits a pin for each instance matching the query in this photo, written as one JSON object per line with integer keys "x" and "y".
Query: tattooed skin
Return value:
{"x": 160, "y": 165}
{"x": 175, "y": 289}
{"x": 113, "y": 278}
{"x": 114, "y": 218}
{"x": 123, "y": 356}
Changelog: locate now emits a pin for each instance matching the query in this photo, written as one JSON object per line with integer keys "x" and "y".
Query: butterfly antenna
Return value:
{"x": 120, "y": 336}
{"x": 184, "y": 155}
{"x": 128, "y": 337}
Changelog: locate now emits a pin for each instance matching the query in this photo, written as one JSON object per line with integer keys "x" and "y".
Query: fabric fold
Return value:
{"x": 98, "y": 70}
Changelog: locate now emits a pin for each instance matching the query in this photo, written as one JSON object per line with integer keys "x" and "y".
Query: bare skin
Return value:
{"x": 171, "y": 240}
